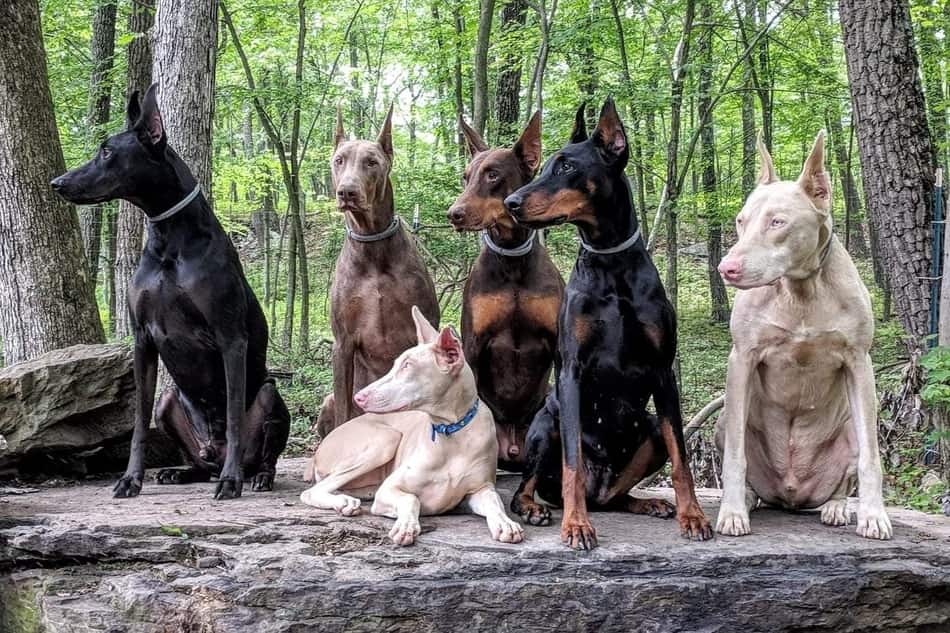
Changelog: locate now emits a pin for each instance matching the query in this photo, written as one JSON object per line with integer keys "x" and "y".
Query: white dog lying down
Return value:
{"x": 800, "y": 419}
{"x": 425, "y": 445}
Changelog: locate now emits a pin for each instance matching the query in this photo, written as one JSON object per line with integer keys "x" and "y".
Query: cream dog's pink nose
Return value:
{"x": 730, "y": 269}
{"x": 361, "y": 397}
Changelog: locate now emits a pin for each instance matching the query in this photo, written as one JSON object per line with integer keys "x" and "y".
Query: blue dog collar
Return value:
{"x": 455, "y": 427}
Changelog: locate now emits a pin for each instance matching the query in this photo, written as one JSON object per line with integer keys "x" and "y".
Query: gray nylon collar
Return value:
{"x": 178, "y": 207}
{"x": 374, "y": 237}
{"x": 517, "y": 251}
{"x": 622, "y": 246}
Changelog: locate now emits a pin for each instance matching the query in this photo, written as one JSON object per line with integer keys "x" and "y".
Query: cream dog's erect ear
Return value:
{"x": 814, "y": 180}
{"x": 767, "y": 173}
{"x": 425, "y": 333}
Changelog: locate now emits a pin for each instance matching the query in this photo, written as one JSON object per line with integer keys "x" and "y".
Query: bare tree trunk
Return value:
{"x": 485, "y": 14}
{"x": 457, "y": 73}
{"x": 184, "y": 44}
{"x": 46, "y": 295}
{"x": 508, "y": 88}
{"x": 748, "y": 108}
{"x": 897, "y": 155}
{"x": 130, "y": 220}
{"x": 102, "y": 50}
{"x": 719, "y": 300}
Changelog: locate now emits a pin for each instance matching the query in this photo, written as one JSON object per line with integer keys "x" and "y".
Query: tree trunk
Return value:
{"x": 457, "y": 73}
{"x": 719, "y": 300}
{"x": 508, "y": 88}
{"x": 934, "y": 52}
{"x": 102, "y": 50}
{"x": 46, "y": 295}
{"x": 748, "y": 109}
{"x": 485, "y": 14}
{"x": 897, "y": 155}
{"x": 130, "y": 220}
{"x": 184, "y": 43}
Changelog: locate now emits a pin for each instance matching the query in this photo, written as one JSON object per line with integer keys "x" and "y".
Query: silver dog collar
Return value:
{"x": 178, "y": 207}
{"x": 374, "y": 237}
{"x": 517, "y": 251}
{"x": 622, "y": 246}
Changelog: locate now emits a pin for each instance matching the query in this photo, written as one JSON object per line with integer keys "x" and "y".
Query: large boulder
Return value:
{"x": 69, "y": 411}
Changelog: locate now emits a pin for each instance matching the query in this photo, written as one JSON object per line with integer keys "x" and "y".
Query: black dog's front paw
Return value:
{"x": 229, "y": 488}
{"x": 127, "y": 486}
{"x": 530, "y": 511}
{"x": 263, "y": 482}
{"x": 169, "y": 476}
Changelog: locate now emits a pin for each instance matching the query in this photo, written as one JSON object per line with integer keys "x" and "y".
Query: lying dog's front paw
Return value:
{"x": 694, "y": 525}
{"x": 405, "y": 531}
{"x": 505, "y": 530}
{"x": 733, "y": 522}
{"x": 578, "y": 533}
{"x": 127, "y": 486}
{"x": 229, "y": 488}
{"x": 346, "y": 505}
{"x": 873, "y": 522}
{"x": 263, "y": 482}
{"x": 835, "y": 512}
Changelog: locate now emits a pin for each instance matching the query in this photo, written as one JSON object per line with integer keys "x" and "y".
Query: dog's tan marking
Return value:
{"x": 654, "y": 335}
{"x": 490, "y": 309}
{"x": 565, "y": 203}
{"x": 635, "y": 470}
{"x": 542, "y": 309}
{"x": 576, "y": 528}
{"x": 583, "y": 328}
{"x": 693, "y": 522}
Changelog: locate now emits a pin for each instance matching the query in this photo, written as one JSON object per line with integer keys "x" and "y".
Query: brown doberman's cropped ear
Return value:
{"x": 340, "y": 134}
{"x": 814, "y": 179}
{"x": 473, "y": 141}
{"x": 150, "y": 126}
{"x": 133, "y": 110}
{"x": 767, "y": 173}
{"x": 579, "y": 133}
{"x": 609, "y": 133}
{"x": 385, "y": 138}
{"x": 528, "y": 147}
{"x": 425, "y": 333}
{"x": 448, "y": 350}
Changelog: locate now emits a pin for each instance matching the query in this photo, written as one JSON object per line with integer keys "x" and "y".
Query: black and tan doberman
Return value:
{"x": 594, "y": 439}
{"x": 192, "y": 307}
{"x": 513, "y": 294}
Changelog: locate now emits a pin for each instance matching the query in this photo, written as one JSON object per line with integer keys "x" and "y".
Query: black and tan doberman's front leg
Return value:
{"x": 648, "y": 459}
{"x": 542, "y": 451}
{"x": 145, "y": 367}
{"x": 577, "y": 531}
{"x": 666, "y": 397}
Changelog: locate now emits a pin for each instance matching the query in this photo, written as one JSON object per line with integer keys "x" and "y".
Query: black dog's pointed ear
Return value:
{"x": 579, "y": 133}
{"x": 133, "y": 110}
{"x": 150, "y": 126}
{"x": 473, "y": 141}
{"x": 609, "y": 134}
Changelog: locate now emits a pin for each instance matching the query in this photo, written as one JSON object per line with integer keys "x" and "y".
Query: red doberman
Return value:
{"x": 513, "y": 294}
{"x": 379, "y": 274}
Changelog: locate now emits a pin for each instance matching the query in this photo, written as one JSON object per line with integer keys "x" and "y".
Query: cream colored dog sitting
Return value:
{"x": 425, "y": 445}
{"x": 800, "y": 419}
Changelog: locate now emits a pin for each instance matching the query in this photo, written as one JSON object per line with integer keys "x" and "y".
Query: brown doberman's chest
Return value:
{"x": 494, "y": 311}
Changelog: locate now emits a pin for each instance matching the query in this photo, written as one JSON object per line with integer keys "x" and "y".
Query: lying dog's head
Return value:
{"x": 360, "y": 169}
{"x": 578, "y": 180}
{"x": 492, "y": 175}
{"x": 127, "y": 164}
{"x": 784, "y": 227}
{"x": 421, "y": 376}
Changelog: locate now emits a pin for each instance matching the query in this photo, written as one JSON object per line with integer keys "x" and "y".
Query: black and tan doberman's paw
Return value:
{"x": 653, "y": 507}
{"x": 531, "y": 512}
{"x": 229, "y": 488}
{"x": 694, "y": 525}
{"x": 578, "y": 534}
{"x": 263, "y": 482}
{"x": 127, "y": 486}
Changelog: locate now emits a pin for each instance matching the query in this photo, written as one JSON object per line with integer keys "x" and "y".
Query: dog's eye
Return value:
{"x": 491, "y": 175}
{"x": 565, "y": 168}
{"x": 371, "y": 162}
{"x": 105, "y": 152}
{"x": 777, "y": 223}
{"x": 338, "y": 160}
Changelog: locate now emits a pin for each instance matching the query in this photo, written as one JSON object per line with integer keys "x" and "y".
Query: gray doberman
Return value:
{"x": 379, "y": 274}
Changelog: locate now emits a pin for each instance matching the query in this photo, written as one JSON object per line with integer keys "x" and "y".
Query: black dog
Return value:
{"x": 190, "y": 305}
{"x": 616, "y": 345}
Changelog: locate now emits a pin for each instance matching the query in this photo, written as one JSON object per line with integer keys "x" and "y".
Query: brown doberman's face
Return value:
{"x": 361, "y": 169}
{"x": 492, "y": 175}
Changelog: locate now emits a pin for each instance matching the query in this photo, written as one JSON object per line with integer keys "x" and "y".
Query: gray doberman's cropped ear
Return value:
{"x": 339, "y": 135}
{"x": 609, "y": 134}
{"x": 579, "y": 133}
{"x": 814, "y": 179}
{"x": 528, "y": 147}
{"x": 150, "y": 126}
{"x": 473, "y": 142}
{"x": 133, "y": 110}
{"x": 385, "y": 138}
{"x": 425, "y": 333}
{"x": 767, "y": 173}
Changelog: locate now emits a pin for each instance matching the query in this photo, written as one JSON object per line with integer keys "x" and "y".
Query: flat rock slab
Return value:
{"x": 172, "y": 559}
